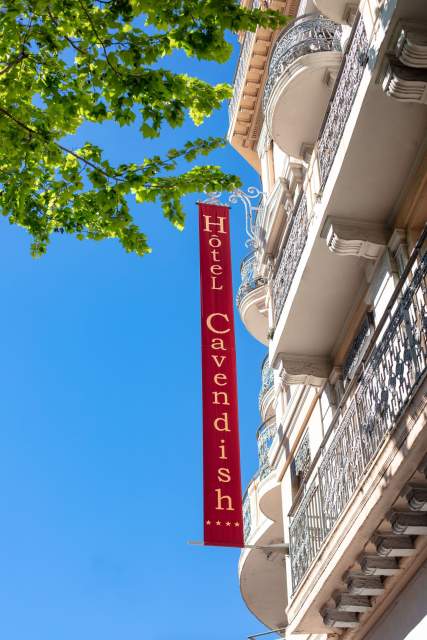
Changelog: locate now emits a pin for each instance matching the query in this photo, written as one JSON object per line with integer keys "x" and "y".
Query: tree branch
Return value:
{"x": 60, "y": 146}
{"x": 14, "y": 62}
{"x": 116, "y": 176}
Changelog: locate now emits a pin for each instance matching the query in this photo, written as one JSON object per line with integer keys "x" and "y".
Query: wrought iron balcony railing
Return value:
{"x": 265, "y": 436}
{"x": 342, "y": 99}
{"x": 296, "y": 233}
{"x": 267, "y": 380}
{"x": 247, "y": 520}
{"x": 390, "y": 372}
{"x": 337, "y": 114}
{"x": 302, "y": 458}
{"x": 250, "y": 281}
{"x": 307, "y": 34}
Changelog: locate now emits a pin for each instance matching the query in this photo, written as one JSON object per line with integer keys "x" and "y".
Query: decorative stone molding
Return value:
{"x": 411, "y": 46}
{"x": 308, "y": 370}
{"x": 406, "y": 84}
{"x": 354, "y": 238}
{"x": 294, "y": 174}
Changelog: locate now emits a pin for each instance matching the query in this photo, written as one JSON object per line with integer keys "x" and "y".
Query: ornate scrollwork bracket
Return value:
{"x": 252, "y": 201}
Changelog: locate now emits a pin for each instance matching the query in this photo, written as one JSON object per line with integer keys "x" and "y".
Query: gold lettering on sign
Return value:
{"x": 220, "y": 499}
{"x": 224, "y": 475}
{"x": 224, "y": 422}
{"x": 219, "y": 360}
{"x": 214, "y": 283}
{"x": 216, "y": 269}
{"x": 216, "y": 395}
{"x": 215, "y": 242}
{"x": 209, "y": 224}
{"x": 210, "y": 325}
{"x": 220, "y": 379}
{"x": 218, "y": 344}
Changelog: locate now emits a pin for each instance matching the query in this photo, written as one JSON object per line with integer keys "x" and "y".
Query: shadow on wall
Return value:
{"x": 407, "y": 620}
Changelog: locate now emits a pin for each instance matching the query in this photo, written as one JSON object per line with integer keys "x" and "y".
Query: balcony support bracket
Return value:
{"x": 354, "y": 237}
{"x": 308, "y": 370}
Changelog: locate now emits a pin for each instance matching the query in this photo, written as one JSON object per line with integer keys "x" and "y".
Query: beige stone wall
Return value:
{"x": 407, "y": 619}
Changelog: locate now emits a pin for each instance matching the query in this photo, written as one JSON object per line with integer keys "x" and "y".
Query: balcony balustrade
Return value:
{"x": 267, "y": 381}
{"x": 247, "y": 520}
{"x": 307, "y": 34}
{"x": 302, "y": 55}
{"x": 296, "y": 237}
{"x": 251, "y": 299}
{"x": 391, "y": 371}
{"x": 250, "y": 281}
{"x": 328, "y": 142}
{"x": 265, "y": 436}
{"x": 342, "y": 99}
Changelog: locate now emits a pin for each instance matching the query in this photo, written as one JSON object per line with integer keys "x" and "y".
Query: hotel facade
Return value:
{"x": 331, "y": 111}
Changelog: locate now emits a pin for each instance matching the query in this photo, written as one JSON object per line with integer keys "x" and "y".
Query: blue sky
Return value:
{"x": 100, "y": 413}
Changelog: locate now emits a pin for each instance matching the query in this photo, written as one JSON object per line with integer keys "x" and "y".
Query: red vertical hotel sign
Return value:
{"x": 223, "y": 522}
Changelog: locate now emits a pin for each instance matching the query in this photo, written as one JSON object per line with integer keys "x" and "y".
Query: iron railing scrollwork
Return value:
{"x": 267, "y": 381}
{"x": 291, "y": 255}
{"x": 393, "y": 366}
{"x": 247, "y": 520}
{"x": 302, "y": 457}
{"x": 357, "y": 349}
{"x": 342, "y": 99}
{"x": 328, "y": 142}
{"x": 306, "y": 534}
{"x": 265, "y": 436}
{"x": 250, "y": 280}
{"x": 307, "y": 34}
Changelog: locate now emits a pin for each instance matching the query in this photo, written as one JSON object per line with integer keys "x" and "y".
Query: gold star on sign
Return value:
{"x": 218, "y": 522}
{"x": 237, "y": 524}
{"x": 208, "y": 522}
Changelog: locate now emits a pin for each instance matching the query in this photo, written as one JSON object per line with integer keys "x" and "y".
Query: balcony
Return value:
{"x": 265, "y": 436}
{"x": 306, "y": 53}
{"x": 369, "y": 438}
{"x": 261, "y": 573}
{"x": 266, "y": 394}
{"x": 251, "y": 299}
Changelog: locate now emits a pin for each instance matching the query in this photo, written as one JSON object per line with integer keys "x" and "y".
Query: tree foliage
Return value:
{"x": 67, "y": 62}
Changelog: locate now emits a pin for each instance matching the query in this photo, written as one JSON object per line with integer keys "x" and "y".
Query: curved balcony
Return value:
{"x": 261, "y": 574}
{"x": 342, "y": 11}
{"x": 265, "y": 436}
{"x": 269, "y": 500}
{"x": 266, "y": 394}
{"x": 251, "y": 300}
{"x": 306, "y": 54}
